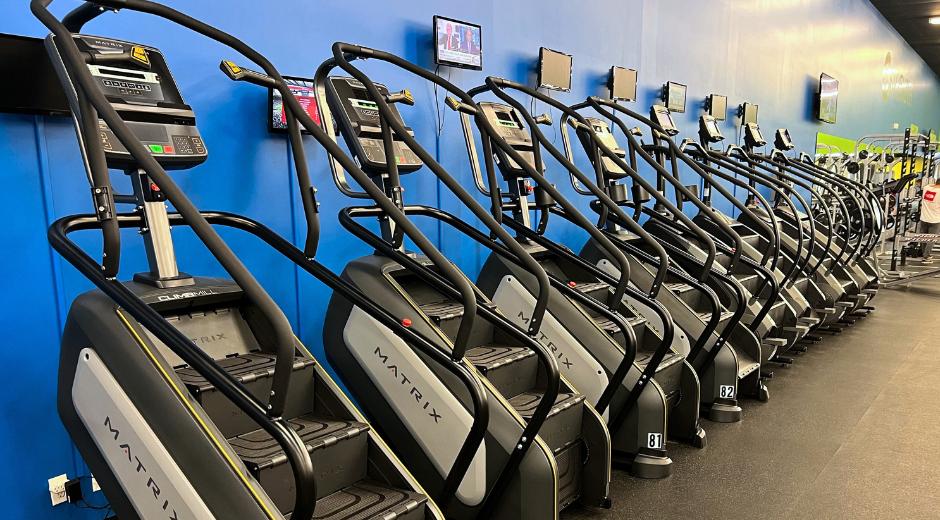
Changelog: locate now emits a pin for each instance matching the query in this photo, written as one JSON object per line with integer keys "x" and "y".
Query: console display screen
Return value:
{"x": 675, "y": 97}
{"x": 457, "y": 44}
{"x": 303, "y": 90}
{"x": 718, "y": 106}
{"x": 554, "y": 70}
{"x": 749, "y": 113}
{"x": 622, "y": 84}
{"x": 828, "y": 98}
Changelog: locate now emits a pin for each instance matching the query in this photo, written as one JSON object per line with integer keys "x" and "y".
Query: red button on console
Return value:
{"x": 167, "y": 149}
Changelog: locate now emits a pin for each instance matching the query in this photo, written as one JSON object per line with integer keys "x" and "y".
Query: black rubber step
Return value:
{"x": 668, "y": 373}
{"x": 254, "y": 370}
{"x": 338, "y": 450}
{"x": 684, "y": 291}
{"x": 367, "y": 500}
{"x": 610, "y": 327}
{"x": 597, "y": 290}
{"x": 440, "y": 312}
{"x": 511, "y": 370}
{"x": 562, "y": 427}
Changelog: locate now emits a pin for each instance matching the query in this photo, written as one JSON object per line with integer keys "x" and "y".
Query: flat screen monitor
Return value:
{"x": 30, "y": 85}
{"x": 675, "y": 97}
{"x": 622, "y": 84}
{"x": 828, "y": 100}
{"x": 749, "y": 113}
{"x": 718, "y": 106}
{"x": 303, "y": 90}
{"x": 554, "y": 70}
{"x": 458, "y": 44}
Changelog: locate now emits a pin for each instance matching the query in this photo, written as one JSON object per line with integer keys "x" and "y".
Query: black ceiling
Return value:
{"x": 909, "y": 17}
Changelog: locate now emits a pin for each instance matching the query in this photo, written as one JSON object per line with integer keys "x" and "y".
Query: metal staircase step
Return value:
{"x": 562, "y": 427}
{"x": 366, "y": 500}
{"x": 254, "y": 370}
{"x": 511, "y": 370}
{"x": 338, "y": 449}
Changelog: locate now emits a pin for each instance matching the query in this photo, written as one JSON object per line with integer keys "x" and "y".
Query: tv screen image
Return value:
{"x": 828, "y": 98}
{"x": 718, "y": 106}
{"x": 622, "y": 84}
{"x": 457, "y": 44}
{"x": 749, "y": 113}
{"x": 554, "y": 70}
{"x": 303, "y": 90}
{"x": 675, "y": 97}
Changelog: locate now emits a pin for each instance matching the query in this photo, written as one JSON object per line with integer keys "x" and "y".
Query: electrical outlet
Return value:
{"x": 94, "y": 485}
{"x": 57, "y": 489}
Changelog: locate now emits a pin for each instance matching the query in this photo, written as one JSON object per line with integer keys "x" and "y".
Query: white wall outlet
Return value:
{"x": 94, "y": 485}
{"x": 57, "y": 489}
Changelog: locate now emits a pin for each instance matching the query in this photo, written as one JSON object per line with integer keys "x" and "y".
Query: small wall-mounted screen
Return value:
{"x": 458, "y": 44}
{"x": 675, "y": 97}
{"x": 749, "y": 113}
{"x": 31, "y": 85}
{"x": 554, "y": 70}
{"x": 718, "y": 106}
{"x": 828, "y": 101}
{"x": 303, "y": 90}
{"x": 622, "y": 84}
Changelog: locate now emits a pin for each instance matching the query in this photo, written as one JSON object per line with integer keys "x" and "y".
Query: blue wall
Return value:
{"x": 765, "y": 51}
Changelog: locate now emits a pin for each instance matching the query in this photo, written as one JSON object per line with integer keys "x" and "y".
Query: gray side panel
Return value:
{"x": 150, "y": 477}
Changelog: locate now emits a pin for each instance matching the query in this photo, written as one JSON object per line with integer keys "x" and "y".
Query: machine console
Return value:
{"x": 661, "y": 116}
{"x": 137, "y": 81}
{"x": 782, "y": 140}
{"x": 606, "y": 136}
{"x": 359, "y": 121}
{"x": 708, "y": 130}
{"x": 509, "y": 126}
{"x": 752, "y": 136}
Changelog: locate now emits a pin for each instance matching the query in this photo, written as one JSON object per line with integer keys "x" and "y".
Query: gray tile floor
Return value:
{"x": 852, "y": 430}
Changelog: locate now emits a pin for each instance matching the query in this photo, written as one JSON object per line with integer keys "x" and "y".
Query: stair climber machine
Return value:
{"x": 778, "y": 314}
{"x": 515, "y": 147}
{"x": 687, "y": 304}
{"x": 190, "y": 397}
{"x": 545, "y": 447}
{"x": 846, "y": 284}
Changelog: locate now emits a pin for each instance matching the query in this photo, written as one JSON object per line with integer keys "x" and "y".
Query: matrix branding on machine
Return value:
{"x": 138, "y": 465}
{"x": 147, "y": 473}
{"x": 426, "y": 406}
{"x": 406, "y": 382}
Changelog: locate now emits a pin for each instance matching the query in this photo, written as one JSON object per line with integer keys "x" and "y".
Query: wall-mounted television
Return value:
{"x": 303, "y": 90}
{"x": 554, "y": 70}
{"x": 827, "y": 100}
{"x": 749, "y": 113}
{"x": 717, "y": 106}
{"x": 31, "y": 85}
{"x": 622, "y": 84}
{"x": 457, "y": 43}
{"x": 674, "y": 96}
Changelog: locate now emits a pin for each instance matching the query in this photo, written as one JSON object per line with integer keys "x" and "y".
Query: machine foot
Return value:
{"x": 724, "y": 413}
{"x": 651, "y": 467}
{"x": 799, "y": 348}
{"x": 698, "y": 440}
{"x": 783, "y": 360}
{"x": 763, "y": 394}
{"x": 766, "y": 374}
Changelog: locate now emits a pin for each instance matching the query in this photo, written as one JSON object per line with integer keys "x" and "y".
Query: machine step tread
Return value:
{"x": 259, "y": 450}
{"x": 366, "y": 500}
{"x": 443, "y": 310}
{"x": 678, "y": 287}
{"x": 705, "y": 316}
{"x": 526, "y": 403}
{"x": 671, "y": 358}
{"x": 609, "y": 326}
{"x": 245, "y": 368}
{"x": 490, "y": 357}
{"x": 590, "y": 287}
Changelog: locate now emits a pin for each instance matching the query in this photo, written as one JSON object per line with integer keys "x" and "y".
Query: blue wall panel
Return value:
{"x": 768, "y": 52}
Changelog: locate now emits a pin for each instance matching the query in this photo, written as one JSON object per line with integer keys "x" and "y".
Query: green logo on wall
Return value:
{"x": 895, "y": 84}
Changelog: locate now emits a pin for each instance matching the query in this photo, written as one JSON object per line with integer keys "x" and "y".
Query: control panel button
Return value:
{"x": 156, "y": 148}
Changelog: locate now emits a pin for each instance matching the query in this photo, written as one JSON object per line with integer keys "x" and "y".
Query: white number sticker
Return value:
{"x": 654, "y": 441}
{"x": 726, "y": 392}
